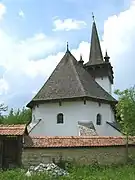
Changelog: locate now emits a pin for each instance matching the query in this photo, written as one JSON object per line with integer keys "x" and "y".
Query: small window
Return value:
{"x": 98, "y": 119}
{"x": 60, "y": 118}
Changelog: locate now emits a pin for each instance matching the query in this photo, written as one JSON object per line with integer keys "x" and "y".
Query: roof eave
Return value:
{"x": 97, "y": 99}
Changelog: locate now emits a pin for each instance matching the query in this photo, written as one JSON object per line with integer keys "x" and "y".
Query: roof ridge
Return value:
{"x": 74, "y": 68}
{"x": 77, "y": 137}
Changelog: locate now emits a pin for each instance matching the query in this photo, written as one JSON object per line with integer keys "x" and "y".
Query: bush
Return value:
{"x": 92, "y": 172}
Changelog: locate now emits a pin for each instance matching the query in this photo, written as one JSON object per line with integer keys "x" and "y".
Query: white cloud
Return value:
{"x": 21, "y": 52}
{"x": 3, "y": 86}
{"x": 2, "y": 10}
{"x": 68, "y": 24}
{"x": 17, "y": 58}
{"x": 21, "y": 14}
{"x": 119, "y": 31}
{"x": 43, "y": 67}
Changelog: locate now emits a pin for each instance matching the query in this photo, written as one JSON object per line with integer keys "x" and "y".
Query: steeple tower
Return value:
{"x": 95, "y": 56}
{"x": 98, "y": 66}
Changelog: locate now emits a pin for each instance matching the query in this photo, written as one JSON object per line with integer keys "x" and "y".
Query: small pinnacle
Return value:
{"x": 81, "y": 57}
{"x": 106, "y": 57}
{"x": 106, "y": 54}
{"x": 93, "y": 17}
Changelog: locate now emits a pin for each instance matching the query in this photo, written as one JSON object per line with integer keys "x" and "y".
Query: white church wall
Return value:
{"x": 73, "y": 112}
{"x": 111, "y": 130}
{"x": 104, "y": 83}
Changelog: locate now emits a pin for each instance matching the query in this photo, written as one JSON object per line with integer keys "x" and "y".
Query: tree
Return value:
{"x": 125, "y": 112}
{"x": 17, "y": 117}
{"x": 3, "y": 108}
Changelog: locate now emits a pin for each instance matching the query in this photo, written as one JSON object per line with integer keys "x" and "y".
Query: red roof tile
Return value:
{"x": 74, "y": 141}
{"x": 18, "y": 129}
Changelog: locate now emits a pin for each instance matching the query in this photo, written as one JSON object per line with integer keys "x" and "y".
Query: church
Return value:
{"x": 77, "y": 100}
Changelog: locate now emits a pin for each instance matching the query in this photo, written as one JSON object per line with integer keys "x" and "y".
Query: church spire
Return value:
{"x": 95, "y": 56}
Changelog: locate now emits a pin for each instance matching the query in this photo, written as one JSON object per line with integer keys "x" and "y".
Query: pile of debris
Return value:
{"x": 52, "y": 169}
{"x": 85, "y": 131}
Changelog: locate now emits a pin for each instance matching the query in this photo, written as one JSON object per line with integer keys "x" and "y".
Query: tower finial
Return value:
{"x": 67, "y": 47}
{"x": 93, "y": 17}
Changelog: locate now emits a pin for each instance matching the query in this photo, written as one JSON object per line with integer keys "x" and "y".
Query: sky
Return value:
{"x": 33, "y": 36}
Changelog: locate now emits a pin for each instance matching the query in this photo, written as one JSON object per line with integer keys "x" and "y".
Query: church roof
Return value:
{"x": 70, "y": 80}
{"x": 95, "y": 56}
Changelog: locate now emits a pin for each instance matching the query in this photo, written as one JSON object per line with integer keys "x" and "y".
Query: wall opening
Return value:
{"x": 60, "y": 118}
{"x": 98, "y": 119}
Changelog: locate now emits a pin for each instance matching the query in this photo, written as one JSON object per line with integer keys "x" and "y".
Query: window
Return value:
{"x": 98, "y": 119}
{"x": 60, "y": 118}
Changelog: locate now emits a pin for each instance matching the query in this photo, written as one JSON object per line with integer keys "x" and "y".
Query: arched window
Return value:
{"x": 98, "y": 120}
{"x": 60, "y": 118}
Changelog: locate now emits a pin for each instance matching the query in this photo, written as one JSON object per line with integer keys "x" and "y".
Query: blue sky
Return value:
{"x": 33, "y": 36}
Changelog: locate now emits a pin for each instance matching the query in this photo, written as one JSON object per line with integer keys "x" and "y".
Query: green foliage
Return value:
{"x": 3, "y": 108}
{"x": 125, "y": 172}
{"x": 20, "y": 175}
{"x": 16, "y": 117}
{"x": 65, "y": 164}
{"x": 126, "y": 110}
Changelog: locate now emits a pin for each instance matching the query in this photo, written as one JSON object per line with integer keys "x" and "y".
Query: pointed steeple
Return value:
{"x": 95, "y": 56}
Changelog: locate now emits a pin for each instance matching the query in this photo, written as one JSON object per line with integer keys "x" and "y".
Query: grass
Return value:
{"x": 126, "y": 172}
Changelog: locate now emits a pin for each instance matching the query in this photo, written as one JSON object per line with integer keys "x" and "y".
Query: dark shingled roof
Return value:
{"x": 95, "y": 56}
{"x": 70, "y": 80}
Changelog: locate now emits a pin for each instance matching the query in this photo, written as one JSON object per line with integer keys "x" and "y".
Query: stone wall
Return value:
{"x": 102, "y": 155}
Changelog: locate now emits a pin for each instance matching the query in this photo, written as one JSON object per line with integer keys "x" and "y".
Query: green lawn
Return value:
{"x": 126, "y": 172}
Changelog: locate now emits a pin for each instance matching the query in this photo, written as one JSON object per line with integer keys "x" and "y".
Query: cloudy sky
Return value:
{"x": 33, "y": 36}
